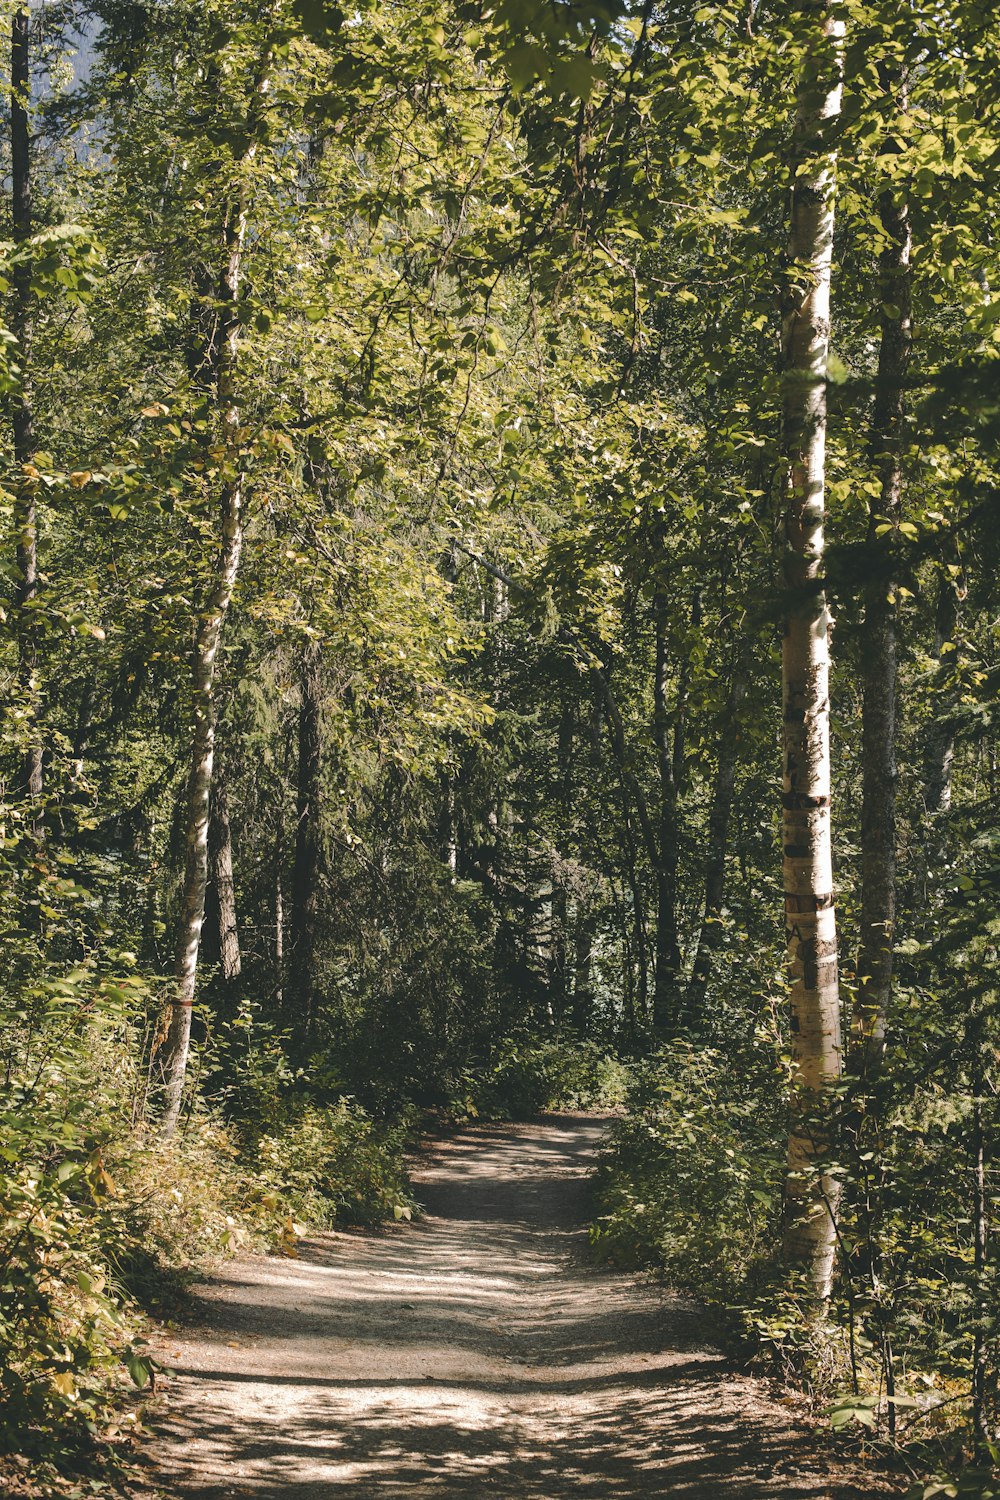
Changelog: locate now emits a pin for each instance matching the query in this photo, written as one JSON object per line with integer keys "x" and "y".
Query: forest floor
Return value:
{"x": 472, "y": 1354}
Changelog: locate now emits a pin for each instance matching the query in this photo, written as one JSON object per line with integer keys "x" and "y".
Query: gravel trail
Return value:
{"x": 471, "y": 1355}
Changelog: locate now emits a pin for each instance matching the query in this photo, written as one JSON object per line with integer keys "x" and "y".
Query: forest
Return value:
{"x": 500, "y": 614}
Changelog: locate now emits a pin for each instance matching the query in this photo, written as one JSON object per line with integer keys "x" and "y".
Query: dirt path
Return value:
{"x": 467, "y": 1356}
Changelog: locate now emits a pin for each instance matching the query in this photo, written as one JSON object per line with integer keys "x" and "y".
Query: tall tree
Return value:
{"x": 718, "y": 844}
{"x": 306, "y": 867}
{"x": 878, "y": 647}
{"x": 222, "y": 922}
{"x": 174, "y": 1038}
{"x": 664, "y": 847}
{"x": 810, "y": 920}
{"x": 23, "y": 417}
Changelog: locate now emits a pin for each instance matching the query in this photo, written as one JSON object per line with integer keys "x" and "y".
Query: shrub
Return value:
{"x": 691, "y": 1182}
{"x": 99, "y": 1218}
{"x": 528, "y": 1076}
{"x": 331, "y": 1162}
{"x": 67, "y": 1326}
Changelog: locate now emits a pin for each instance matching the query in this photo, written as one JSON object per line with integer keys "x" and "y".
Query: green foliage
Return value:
{"x": 692, "y": 1179}
{"x": 974, "y": 1482}
{"x": 528, "y": 1077}
{"x": 330, "y": 1164}
{"x": 100, "y": 1220}
{"x": 505, "y": 377}
{"x": 66, "y": 1321}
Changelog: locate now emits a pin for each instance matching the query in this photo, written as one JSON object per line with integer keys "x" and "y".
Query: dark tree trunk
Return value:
{"x": 24, "y": 442}
{"x": 667, "y": 955}
{"x": 583, "y": 987}
{"x": 560, "y": 966}
{"x": 307, "y": 867}
{"x": 718, "y": 844}
{"x": 879, "y": 669}
{"x": 639, "y": 1017}
{"x": 632, "y": 797}
{"x": 939, "y": 746}
{"x": 670, "y": 752}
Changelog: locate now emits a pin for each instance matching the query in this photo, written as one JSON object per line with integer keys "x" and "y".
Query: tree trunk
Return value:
{"x": 24, "y": 442}
{"x": 811, "y": 930}
{"x": 980, "y": 1228}
{"x": 939, "y": 747}
{"x": 222, "y": 918}
{"x": 718, "y": 842}
{"x": 449, "y": 824}
{"x": 583, "y": 986}
{"x": 632, "y": 795}
{"x": 560, "y": 947}
{"x": 173, "y": 1043}
{"x": 667, "y": 955}
{"x": 176, "y": 1040}
{"x": 879, "y": 672}
{"x": 559, "y": 952}
{"x": 279, "y": 920}
{"x": 306, "y": 869}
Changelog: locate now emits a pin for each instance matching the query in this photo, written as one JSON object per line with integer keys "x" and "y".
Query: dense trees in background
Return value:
{"x": 422, "y": 423}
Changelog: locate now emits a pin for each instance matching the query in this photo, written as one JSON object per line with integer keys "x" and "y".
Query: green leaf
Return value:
{"x": 140, "y": 1369}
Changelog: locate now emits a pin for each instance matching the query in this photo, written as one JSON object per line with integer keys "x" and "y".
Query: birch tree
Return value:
{"x": 810, "y": 919}
{"x": 172, "y": 1045}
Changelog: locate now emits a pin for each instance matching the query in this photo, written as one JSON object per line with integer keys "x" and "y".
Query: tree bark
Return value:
{"x": 718, "y": 843}
{"x": 223, "y": 921}
{"x": 449, "y": 824}
{"x": 279, "y": 922}
{"x": 306, "y": 869}
{"x": 639, "y": 1013}
{"x": 667, "y": 957}
{"x": 811, "y": 1192}
{"x": 632, "y": 795}
{"x": 583, "y": 985}
{"x": 559, "y": 977}
{"x": 879, "y": 668}
{"x": 22, "y": 410}
{"x": 939, "y": 746}
{"x": 173, "y": 1043}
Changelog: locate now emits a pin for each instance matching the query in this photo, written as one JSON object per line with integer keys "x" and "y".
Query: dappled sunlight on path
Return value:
{"x": 471, "y": 1354}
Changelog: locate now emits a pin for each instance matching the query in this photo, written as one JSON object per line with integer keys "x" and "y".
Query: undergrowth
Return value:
{"x": 691, "y": 1185}
{"x": 528, "y": 1076}
{"x": 101, "y": 1221}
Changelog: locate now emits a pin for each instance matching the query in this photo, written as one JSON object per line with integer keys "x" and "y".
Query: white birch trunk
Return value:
{"x": 810, "y": 920}
{"x": 174, "y": 1040}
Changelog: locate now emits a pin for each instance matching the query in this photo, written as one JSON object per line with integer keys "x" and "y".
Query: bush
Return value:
{"x": 528, "y": 1077}
{"x": 692, "y": 1180}
{"x": 330, "y": 1163}
{"x": 67, "y": 1325}
{"x": 99, "y": 1218}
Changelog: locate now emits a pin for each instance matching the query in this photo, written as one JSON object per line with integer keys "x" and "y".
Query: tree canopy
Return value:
{"x": 495, "y": 496}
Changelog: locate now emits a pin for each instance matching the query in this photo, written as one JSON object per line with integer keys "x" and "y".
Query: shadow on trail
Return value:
{"x": 662, "y": 1446}
{"x": 469, "y": 1355}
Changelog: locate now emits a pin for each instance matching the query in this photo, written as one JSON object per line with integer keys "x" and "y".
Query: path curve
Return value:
{"x": 471, "y": 1355}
